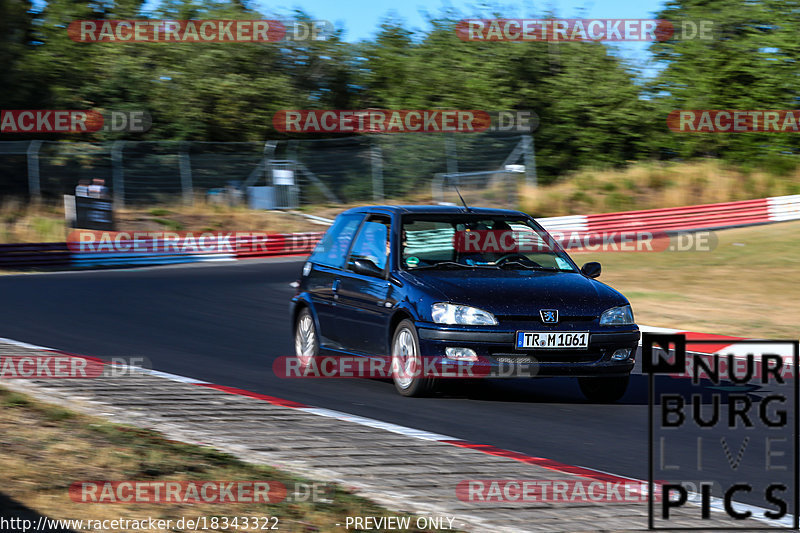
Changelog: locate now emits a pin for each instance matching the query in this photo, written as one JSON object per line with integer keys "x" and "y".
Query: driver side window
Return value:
{"x": 372, "y": 243}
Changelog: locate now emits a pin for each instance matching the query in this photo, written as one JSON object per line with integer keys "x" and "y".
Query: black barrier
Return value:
{"x": 93, "y": 213}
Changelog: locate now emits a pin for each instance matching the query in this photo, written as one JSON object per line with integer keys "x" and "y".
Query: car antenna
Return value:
{"x": 462, "y": 198}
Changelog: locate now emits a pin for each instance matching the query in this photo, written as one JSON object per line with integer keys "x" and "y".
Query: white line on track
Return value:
{"x": 716, "y": 504}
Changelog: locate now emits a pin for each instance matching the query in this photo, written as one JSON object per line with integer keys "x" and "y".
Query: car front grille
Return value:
{"x": 549, "y": 356}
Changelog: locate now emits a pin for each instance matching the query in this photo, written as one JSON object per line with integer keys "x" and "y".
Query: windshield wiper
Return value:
{"x": 445, "y": 264}
{"x": 532, "y": 267}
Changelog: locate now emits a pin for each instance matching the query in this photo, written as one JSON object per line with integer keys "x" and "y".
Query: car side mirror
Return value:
{"x": 591, "y": 269}
{"x": 366, "y": 267}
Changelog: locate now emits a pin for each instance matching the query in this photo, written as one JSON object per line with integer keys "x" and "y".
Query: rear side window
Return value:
{"x": 332, "y": 249}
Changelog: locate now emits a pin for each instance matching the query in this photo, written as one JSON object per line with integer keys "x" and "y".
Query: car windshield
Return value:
{"x": 479, "y": 241}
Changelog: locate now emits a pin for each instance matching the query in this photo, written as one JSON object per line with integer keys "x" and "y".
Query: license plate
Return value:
{"x": 548, "y": 340}
{"x": 516, "y": 360}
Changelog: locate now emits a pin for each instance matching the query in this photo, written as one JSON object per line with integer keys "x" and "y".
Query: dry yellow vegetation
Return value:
{"x": 653, "y": 185}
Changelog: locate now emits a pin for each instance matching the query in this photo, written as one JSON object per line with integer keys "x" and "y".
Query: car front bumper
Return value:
{"x": 499, "y": 357}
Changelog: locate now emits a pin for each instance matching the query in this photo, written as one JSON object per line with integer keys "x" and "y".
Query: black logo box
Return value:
{"x": 664, "y": 341}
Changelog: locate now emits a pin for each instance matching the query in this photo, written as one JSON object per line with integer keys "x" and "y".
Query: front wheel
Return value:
{"x": 407, "y": 368}
{"x": 604, "y": 390}
{"x": 306, "y": 341}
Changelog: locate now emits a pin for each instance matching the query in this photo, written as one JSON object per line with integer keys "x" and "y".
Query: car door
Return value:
{"x": 327, "y": 263}
{"x": 363, "y": 305}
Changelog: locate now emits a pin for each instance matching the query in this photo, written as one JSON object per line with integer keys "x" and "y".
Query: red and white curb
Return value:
{"x": 717, "y": 504}
{"x": 726, "y": 343}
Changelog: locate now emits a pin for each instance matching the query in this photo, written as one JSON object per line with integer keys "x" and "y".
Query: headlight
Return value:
{"x": 444, "y": 313}
{"x": 617, "y": 316}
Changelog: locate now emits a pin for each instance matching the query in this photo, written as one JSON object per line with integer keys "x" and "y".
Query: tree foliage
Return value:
{"x": 592, "y": 108}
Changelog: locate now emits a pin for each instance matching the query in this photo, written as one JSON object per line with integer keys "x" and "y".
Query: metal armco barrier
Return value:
{"x": 51, "y": 254}
{"x": 695, "y": 217}
{"x": 671, "y": 219}
{"x": 70, "y": 255}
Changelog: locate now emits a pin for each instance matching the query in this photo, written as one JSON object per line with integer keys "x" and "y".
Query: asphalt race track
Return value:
{"x": 226, "y": 324}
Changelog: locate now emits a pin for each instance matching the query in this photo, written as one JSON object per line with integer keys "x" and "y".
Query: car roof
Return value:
{"x": 430, "y": 210}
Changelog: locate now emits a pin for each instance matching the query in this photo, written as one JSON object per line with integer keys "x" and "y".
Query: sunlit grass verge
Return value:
{"x": 746, "y": 286}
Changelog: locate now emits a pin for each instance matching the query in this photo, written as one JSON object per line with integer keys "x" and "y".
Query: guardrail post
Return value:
{"x": 185, "y": 167}
{"x": 117, "y": 173}
{"x": 34, "y": 184}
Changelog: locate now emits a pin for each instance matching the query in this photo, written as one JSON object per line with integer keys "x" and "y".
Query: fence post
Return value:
{"x": 185, "y": 167}
{"x": 291, "y": 150}
{"x": 117, "y": 173}
{"x": 376, "y": 156}
{"x": 450, "y": 154}
{"x": 530, "y": 161}
{"x": 34, "y": 184}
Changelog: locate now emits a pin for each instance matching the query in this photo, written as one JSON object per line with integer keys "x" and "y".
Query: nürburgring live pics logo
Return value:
{"x": 725, "y": 437}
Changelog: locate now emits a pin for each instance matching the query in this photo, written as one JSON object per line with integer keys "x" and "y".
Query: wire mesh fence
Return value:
{"x": 284, "y": 174}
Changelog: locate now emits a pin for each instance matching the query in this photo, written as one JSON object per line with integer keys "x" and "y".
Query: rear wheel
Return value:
{"x": 306, "y": 341}
{"x": 604, "y": 390}
{"x": 407, "y": 368}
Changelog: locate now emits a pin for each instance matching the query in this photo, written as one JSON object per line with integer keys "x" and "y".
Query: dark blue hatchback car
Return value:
{"x": 457, "y": 286}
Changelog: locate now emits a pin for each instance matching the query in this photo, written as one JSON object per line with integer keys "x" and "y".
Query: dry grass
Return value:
{"x": 653, "y": 185}
{"x": 43, "y": 449}
{"x": 747, "y": 286}
{"x": 45, "y": 222}
{"x": 20, "y": 222}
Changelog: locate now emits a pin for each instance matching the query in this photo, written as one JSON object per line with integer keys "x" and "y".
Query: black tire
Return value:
{"x": 413, "y": 384}
{"x": 304, "y": 352}
{"x": 604, "y": 390}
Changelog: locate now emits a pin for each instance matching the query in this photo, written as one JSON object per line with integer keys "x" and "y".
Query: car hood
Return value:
{"x": 522, "y": 293}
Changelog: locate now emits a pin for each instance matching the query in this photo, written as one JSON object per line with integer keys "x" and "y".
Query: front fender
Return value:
{"x": 297, "y": 303}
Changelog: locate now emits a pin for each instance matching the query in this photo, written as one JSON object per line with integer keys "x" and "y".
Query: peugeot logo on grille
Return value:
{"x": 549, "y": 316}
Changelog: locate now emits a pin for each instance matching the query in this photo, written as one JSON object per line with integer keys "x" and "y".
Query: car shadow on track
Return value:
{"x": 566, "y": 390}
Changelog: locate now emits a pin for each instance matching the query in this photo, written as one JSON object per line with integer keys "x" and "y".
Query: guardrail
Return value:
{"x": 695, "y": 217}
{"x": 50, "y": 254}
{"x": 670, "y": 219}
{"x": 145, "y": 252}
